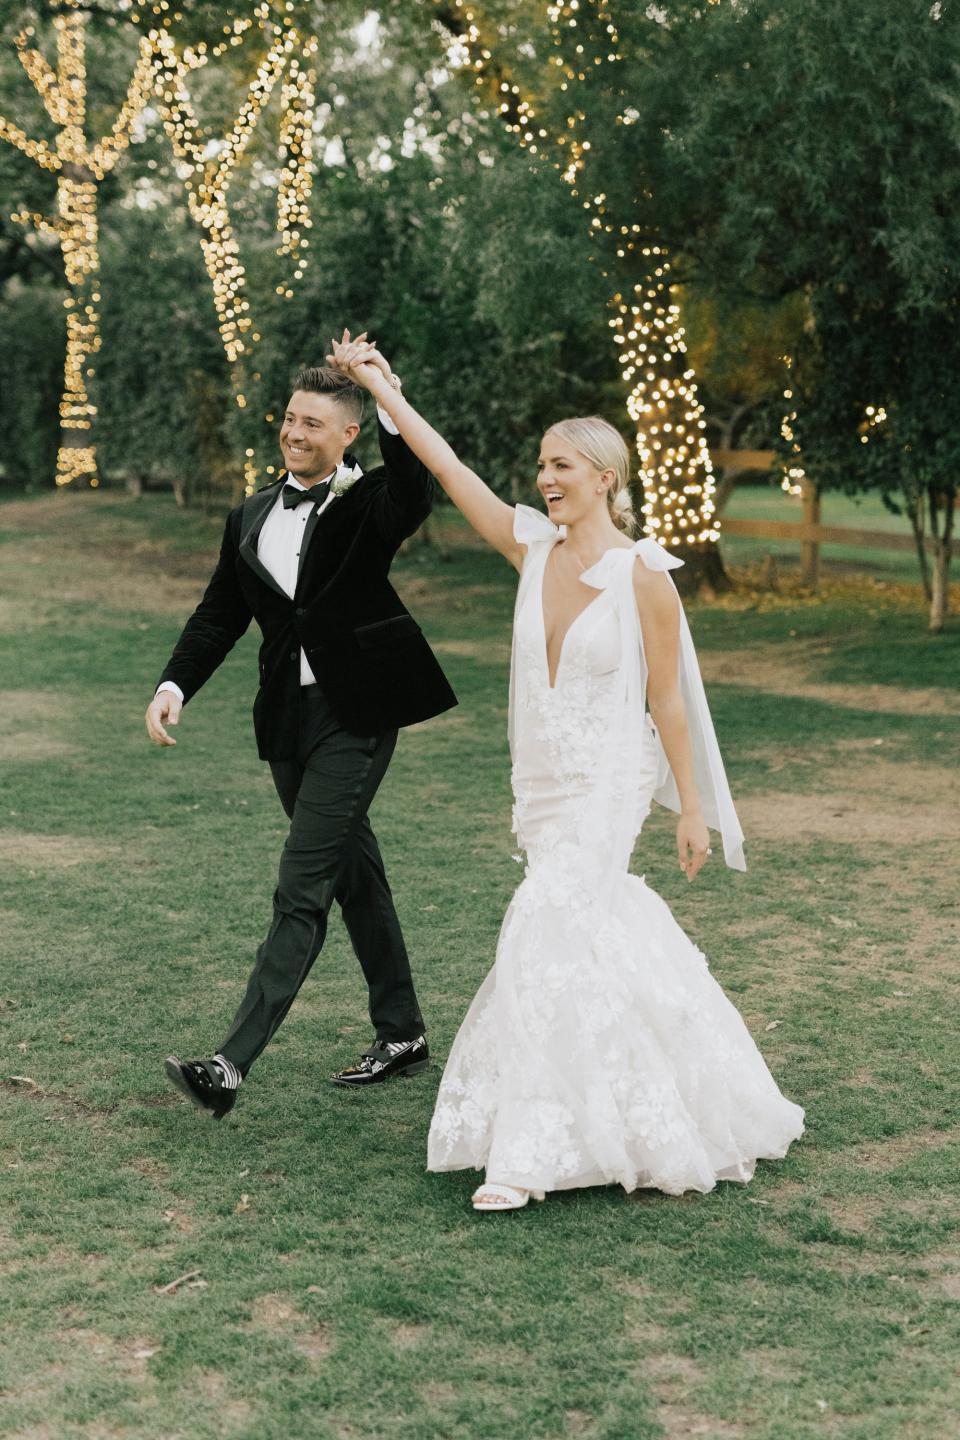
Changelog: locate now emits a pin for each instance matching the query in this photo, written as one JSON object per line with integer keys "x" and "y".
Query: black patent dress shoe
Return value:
{"x": 383, "y": 1060}
{"x": 202, "y": 1083}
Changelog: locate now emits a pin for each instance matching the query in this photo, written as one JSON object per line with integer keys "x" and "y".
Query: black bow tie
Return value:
{"x": 293, "y": 495}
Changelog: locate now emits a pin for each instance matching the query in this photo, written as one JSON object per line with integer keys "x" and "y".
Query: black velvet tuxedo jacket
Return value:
{"x": 367, "y": 652}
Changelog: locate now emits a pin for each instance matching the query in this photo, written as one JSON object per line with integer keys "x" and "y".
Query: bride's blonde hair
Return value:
{"x": 598, "y": 442}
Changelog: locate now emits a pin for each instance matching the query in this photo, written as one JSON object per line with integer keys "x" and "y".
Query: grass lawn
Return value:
{"x": 335, "y": 1290}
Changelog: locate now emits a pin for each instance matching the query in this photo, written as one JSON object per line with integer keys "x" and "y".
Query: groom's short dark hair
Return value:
{"x": 321, "y": 380}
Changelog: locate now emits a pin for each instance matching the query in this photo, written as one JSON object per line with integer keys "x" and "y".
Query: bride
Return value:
{"x": 599, "y": 1049}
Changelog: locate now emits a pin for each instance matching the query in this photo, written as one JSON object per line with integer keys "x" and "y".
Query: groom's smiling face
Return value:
{"x": 316, "y": 431}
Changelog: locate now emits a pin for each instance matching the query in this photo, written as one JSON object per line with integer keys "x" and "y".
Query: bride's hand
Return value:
{"x": 360, "y": 359}
{"x": 693, "y": 844}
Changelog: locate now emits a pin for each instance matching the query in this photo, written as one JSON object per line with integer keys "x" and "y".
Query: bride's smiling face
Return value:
{"x": 569, "y": 482}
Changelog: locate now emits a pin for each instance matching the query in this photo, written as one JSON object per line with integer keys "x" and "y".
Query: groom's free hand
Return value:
{"x": 163, "y": 709}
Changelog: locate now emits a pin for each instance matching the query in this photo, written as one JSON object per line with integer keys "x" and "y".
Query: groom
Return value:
{"x": 342, "y": 666}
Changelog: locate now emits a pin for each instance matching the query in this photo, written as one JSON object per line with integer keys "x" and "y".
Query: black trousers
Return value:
{"x": 331, "y": 853}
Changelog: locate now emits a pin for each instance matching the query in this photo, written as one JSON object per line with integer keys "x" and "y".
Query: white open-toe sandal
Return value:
{"x": 503, "y": 1197}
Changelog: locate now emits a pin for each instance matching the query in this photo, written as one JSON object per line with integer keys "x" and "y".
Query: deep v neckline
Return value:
{"x": 552, "y": 684}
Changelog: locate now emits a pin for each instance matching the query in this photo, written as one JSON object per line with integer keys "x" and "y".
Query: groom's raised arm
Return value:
{"x": 405, "y": 500}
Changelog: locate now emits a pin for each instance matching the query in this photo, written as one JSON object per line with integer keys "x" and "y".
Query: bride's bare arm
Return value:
{"x": 486, "y": 512}
{"x": 659, "y": 612}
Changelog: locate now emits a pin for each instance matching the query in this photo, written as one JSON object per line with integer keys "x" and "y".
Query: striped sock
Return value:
{"x": 396, "y": 1046}
{"x": 229, "y": 1073}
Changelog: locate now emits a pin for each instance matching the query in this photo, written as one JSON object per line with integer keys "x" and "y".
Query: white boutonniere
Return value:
{"x": 344, "y": 480}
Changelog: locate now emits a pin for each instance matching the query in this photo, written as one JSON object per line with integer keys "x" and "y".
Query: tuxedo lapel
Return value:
{"x": 255, "y": 512}
{"x": 315, "y": 519}
{"x": 319, "y": 566}
{"x": 327, "y": 521}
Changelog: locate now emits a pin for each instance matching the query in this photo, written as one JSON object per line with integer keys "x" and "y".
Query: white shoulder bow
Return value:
{"x": 655, "y": 556}
{"x": 532, "y": 527}
{"x": 619, "y": 561}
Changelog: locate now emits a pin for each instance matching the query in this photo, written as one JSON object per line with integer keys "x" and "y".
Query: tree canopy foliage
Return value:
{"x": 797, "y": 159}
{"x": 798, "y": 163}
{"x": 427, "y": 225}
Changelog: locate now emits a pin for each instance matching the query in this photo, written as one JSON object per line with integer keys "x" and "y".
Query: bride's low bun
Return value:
{"x": 621, "y": 508}
{"x": 604, "y": 447}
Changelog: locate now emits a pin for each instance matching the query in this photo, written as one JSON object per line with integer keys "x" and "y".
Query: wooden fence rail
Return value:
{"x": 823, "y": 535}
{"x": 809, "y": 534}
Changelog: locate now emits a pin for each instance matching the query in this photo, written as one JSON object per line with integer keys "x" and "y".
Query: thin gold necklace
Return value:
{"x": 581, "y": 564}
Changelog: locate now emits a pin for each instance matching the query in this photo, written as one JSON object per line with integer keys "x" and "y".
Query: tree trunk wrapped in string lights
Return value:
{"x": 558, "y": 75}
{"x": 79, "y": 166}
{"x": 208, "y": 179}
{"x": 675, "y": 468}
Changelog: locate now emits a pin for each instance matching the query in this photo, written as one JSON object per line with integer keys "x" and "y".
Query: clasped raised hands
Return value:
{"x": 359, "y": 358}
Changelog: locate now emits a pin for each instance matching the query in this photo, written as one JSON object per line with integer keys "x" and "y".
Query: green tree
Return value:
{"x": 32, "y": 337}
{"x": 810, "y": 151}
{"x": 430, "y": 227}
{"x": 434, "y": 232}
{"x": 77, "y": 55}
{"x": 466, "y": 264}
{"x": 164, "y": 393}
{"x": 736, "y": 345}
{"x": 562, "y": 78}
{"x": 875, "y": 413}
{"x": 78, "y": 165}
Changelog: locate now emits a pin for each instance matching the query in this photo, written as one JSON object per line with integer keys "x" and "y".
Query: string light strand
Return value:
{"x": 663, "y": 403}
{"x": 80, "y": 167}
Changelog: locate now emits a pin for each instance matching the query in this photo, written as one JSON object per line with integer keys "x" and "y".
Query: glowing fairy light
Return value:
{"x": 675, "y": 466}
{"x": 794, "y": 474}
{"x": 793, "y": 471}
{"x": 208, "y": 180}
{"x": 679, "y": 489}
{"x": 80, "y": 166}
{"x": 297, "y": 108}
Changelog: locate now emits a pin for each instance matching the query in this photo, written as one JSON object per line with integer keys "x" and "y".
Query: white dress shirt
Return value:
{"x": 280, "y": 540}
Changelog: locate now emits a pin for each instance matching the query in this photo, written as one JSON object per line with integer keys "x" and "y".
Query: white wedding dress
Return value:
{"x": 599, "y": 1049}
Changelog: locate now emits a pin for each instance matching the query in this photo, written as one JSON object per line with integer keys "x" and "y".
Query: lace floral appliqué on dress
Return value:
{"x": 599, "y": 1048}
